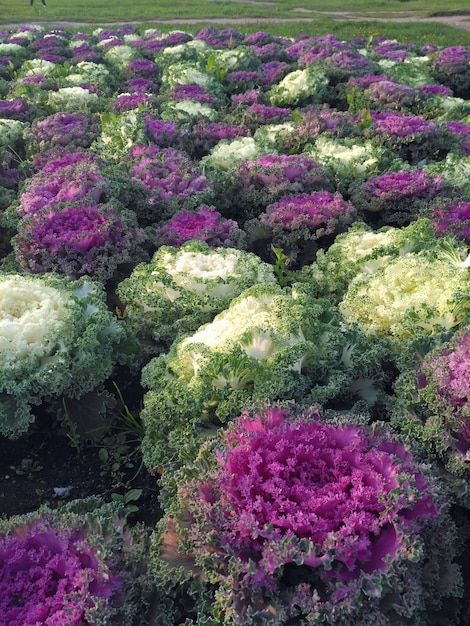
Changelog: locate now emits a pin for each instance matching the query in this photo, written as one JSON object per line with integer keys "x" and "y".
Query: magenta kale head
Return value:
{"x": 260, "y": 182}
{"x": 162, "y": 133}
{"x": 171, "y": 179}
{"x": 388, "y": 95}
{"x": 295, "y": 223}
{"x": 299, "y": 517}
{"x": 452, "y": 218}
{"x": 17, "y": 109}
{"x": 80, "y": 181}
{"x": 402, "y": 126}
{"x": 70, "y": 130}
{"x": 127, "y": 102}
{"x": 70, "y": 566}
{"x": 411, "y": 137}
{"x": 50, "y": 577}
{"x": 204, "y": 135}
{"x": 396, "y": 198}
{"x": 83, "y": 239}
{"x": 451, "y": 67}
{"x": 205, "y": 224}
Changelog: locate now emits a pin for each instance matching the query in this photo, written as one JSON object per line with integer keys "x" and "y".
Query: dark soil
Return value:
{"x": 44, "y": 459}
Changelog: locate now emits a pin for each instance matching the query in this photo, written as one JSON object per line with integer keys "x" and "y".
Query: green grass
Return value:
{"x": 311, "y": 21}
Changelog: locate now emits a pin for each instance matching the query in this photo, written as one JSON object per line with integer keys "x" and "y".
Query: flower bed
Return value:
{"x": 238, "y": 264}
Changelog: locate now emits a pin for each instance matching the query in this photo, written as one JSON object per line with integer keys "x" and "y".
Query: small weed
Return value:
{"x": 120, "y": 453}
{"x": 126, "y": 498}
{"x": 283, "y": 274}
{"x": 72, "y": 434}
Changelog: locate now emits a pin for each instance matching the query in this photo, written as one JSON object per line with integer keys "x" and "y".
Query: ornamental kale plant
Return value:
{"x": 299, "y": 223}
{"x": 79, "y": 564}
{"x": 422, "y": 294}
{"x": 70, "y": 130}
{"x": 57, "y": 338}
{"x": 351, "y": 160}
{"x": 82, "y": 239}
{"x": 182, "y": 288}
{"x": 81, "y": 181}
{"x": 362, "y": 249}
{"x": 205, "y": 224}
{"x": 396, "y": 198}
{"x": 257, "y": 183}
{"x": 299, "y": 87}
{"x": 291, "y": 517}
{"x": 432, "y": 409}
{"x": 383, "y": 95}
{"x": 411, "y": 137}
{"x": 270, "y": 344}
{"x": 452, "y": 218}
{"x": 450, "y": 66}
{"x": 172, "y": 181}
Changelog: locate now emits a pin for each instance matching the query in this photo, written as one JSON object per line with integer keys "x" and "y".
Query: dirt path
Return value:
{"x": 306, "y": 15}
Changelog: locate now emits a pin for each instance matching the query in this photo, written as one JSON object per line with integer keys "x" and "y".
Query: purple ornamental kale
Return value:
{"x": 402, "y": 126}
{"x": 204, "y": 135}
{"x": 171, "y": 179}
{"x": 191, "y": 92}
{"x": 260, "y": 38}
{"x": 396, "y": 198}
{"x": 432, "y": 405}
{"x": 268, "y": 52}
{"x": 411, "y": 137}
{"x": 298, "y": 224}
{"x": 310, "y": 124}
{"x": 206, "y": 224}
{"x": 262, "y": 181}
{"x": 346, "y": 63}
{"x": 215, "y": 38}
{"x": 451, "y": 67}
{"x": 316, "y": 51}
{"x": 142, "y": 68}
{"x": 79, "y": 564}
{"x": 17, "y": 109}
{"x": 164, "y": 134}
{"x": 51, "y": 577}
{"x": 127, "y": 102}
{"x": 304, "y": 521}
{"x": 71, "y": 130}
{"x": 389, "y": 95}
{"x": 392, "y": 50}
{"x": 242, "y": 80}
{"x": 366, "y": 81}
{"x": 85, "y": 54}
{"x": 251, "y": 96}
{"x": 53, "y": 160}
{"x": 272, "y": 72}
{"x": 66, "y": 185}
{"x": 255, "y": 115}
{"x": 309, "y": 215}
{"x": 139, "y": 86}
{"x": 452, "y": 218}
{"x": 461, "y": 132}
{"x": 8, "y": 65}
{"x": 436, "y": 90}
{"x": 84, "y": 239}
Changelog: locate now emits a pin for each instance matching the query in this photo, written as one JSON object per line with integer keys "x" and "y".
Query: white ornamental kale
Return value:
{"x": 57, "y": 337}
{"x": 183, "y": 288}
{"x": 298, "y": 87}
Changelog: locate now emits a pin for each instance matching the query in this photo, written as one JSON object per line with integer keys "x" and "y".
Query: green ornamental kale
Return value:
{"x": 270, "y": 343}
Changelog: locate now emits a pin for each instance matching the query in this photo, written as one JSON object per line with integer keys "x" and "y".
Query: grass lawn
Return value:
{"x": 286, "y": 17}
